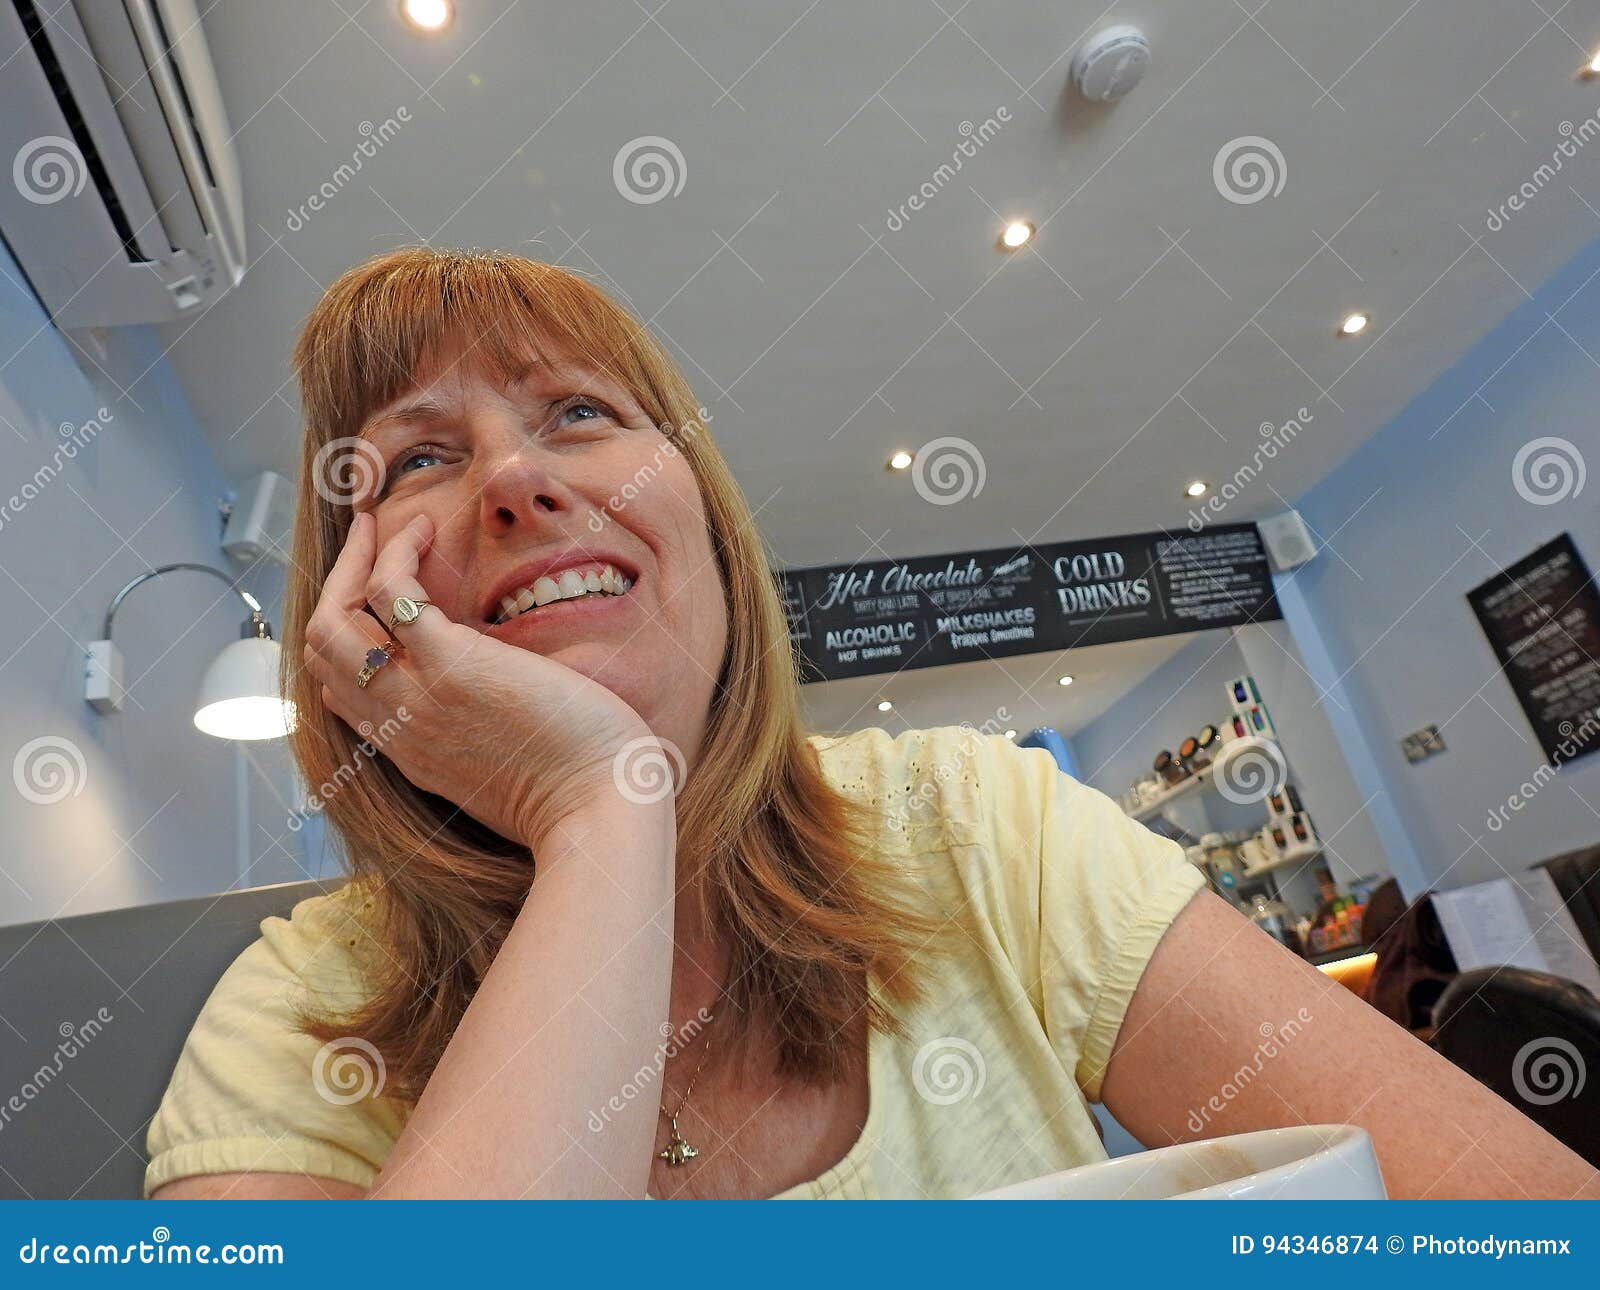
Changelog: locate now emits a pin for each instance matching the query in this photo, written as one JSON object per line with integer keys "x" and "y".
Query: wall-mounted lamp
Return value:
{"x": 239, "y": 696}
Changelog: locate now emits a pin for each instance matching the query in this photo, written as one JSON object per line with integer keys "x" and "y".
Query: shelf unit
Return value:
{"x": 1201, "y": 781}
{"x": 1283, "y": 862}
{"x": 1265, "y": 877}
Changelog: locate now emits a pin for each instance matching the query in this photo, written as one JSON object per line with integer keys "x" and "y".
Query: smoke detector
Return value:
{"x": 1110, "y": 63}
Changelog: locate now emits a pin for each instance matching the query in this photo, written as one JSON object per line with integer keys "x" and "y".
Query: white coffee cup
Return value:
{"x": 1307, "y": 1162}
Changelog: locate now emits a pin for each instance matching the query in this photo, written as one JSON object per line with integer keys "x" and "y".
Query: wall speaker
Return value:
{"x": 1288, "y": 540}
{"x": 259, "y": 523}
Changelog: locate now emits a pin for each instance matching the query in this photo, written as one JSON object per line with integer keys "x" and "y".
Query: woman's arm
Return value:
{"x": 569, "y": 1013}
{"x": 1218, "y": 1015}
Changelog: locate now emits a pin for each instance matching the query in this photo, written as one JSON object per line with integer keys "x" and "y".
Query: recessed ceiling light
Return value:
{"x": 1354, "y": 324}
{"x": 900, "y": 460}
{"x": 1196, "y": 488}
{"x": 427, "y": 15}
{"x": 1066, "y": 680}
{"x": 884, "y": 705}
{"x": 1011, "y": 734}
{"x": 1593, "y": 65}
{"x": 1016, "y": 234}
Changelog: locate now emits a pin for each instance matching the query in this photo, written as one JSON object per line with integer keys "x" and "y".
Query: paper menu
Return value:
{"x": 1517, "y": 921}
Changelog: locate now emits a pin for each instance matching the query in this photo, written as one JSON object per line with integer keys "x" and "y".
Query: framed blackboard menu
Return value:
{"x": 891, "y": 615}
{"x": 1542, "y": 616}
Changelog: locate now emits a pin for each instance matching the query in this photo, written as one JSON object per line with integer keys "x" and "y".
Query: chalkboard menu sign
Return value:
{"x": 890, "y": 615}
{"x": 1542, "y": 616}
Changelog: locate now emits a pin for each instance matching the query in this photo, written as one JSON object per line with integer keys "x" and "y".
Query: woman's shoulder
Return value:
{"x": 938, "y": 789}
{"x": 899, "y": 776}
{"x": 251, "y": 1089}
{"x": 955, "y": 766}
{"x": 326, "y": 947}
{"x": 1005, "y": 823}
{"x": 947, "y": 753}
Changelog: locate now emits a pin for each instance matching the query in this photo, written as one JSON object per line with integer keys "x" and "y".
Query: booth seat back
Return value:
{"x": 1534, "y": 1039}
{"x": 93, "y": 1013}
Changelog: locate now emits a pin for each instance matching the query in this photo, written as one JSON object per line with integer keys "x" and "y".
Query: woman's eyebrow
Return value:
{"x": 405, "y": 414}
{"x": 535, "y": 378}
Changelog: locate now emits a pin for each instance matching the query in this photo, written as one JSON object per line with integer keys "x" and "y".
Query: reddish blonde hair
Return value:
{"x": 793, "y": 886}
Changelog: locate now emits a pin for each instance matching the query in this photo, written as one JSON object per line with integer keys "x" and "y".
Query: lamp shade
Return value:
{"x": 239, "y": 696}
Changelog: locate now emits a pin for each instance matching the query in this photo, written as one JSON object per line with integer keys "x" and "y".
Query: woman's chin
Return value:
{"x": 602, "y": 663}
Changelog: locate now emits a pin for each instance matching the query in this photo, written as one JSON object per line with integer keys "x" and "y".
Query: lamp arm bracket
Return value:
{"x": 256, "y": 626}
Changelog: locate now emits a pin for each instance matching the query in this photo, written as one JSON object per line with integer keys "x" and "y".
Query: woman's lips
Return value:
{"x": 540, "y": 581}
{"x": 583, "y": 578}
{"x": 559, "y": 613}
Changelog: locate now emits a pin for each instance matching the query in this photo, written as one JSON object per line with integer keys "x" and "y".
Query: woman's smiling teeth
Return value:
{"x": 569, "y": 584}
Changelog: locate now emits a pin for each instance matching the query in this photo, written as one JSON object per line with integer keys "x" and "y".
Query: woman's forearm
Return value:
{"x": 565, "y": 1019}
{"x": 1228, "y": 1032}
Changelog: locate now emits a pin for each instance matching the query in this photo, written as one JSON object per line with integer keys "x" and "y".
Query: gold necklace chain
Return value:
{"x": 678, "y": 1151}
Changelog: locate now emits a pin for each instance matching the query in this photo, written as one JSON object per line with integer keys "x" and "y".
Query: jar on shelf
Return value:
{"x": 1273, "y": 917}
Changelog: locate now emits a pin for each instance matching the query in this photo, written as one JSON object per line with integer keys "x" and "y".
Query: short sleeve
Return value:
{"x": 252, "y": 1092}
{"x": 1098, "y": 889}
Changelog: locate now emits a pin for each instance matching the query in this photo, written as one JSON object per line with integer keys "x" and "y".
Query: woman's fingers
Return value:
{"x": 339, "y": 662}
{"x": 345, "y": 588}
{"x": 341, "y": 632}
{"x": 394, "y": 574}
{"x": 340, "y": 624}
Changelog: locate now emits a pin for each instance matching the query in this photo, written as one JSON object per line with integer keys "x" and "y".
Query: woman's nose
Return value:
{"x": 519, "y": 493}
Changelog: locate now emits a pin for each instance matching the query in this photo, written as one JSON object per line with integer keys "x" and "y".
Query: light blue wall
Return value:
{"x": 148, "y": 806}
{"x": 1425, "y": 510}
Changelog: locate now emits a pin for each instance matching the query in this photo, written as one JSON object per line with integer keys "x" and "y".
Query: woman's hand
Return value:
{"x": 519, "y": 742}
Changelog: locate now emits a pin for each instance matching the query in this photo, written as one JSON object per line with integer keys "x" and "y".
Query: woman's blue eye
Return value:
{"x": 596, "y": 410}
{"x": 414, "y": 455}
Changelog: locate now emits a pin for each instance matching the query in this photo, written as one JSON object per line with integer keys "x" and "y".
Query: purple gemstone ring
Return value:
{"x": 377, "y": 656}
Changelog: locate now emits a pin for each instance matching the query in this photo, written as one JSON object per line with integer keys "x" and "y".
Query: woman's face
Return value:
{"x": 560, "y": 471}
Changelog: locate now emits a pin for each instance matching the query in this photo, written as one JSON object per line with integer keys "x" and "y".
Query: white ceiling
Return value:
{"x": 1149, "y": 332}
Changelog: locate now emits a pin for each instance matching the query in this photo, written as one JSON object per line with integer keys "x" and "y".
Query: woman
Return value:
{"x": 825, "y": 967}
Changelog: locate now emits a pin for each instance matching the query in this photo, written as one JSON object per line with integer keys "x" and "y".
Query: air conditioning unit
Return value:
{"x": 122, "y": 202}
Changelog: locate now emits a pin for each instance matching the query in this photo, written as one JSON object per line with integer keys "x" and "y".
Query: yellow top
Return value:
{"x": 1061, "y": 899}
